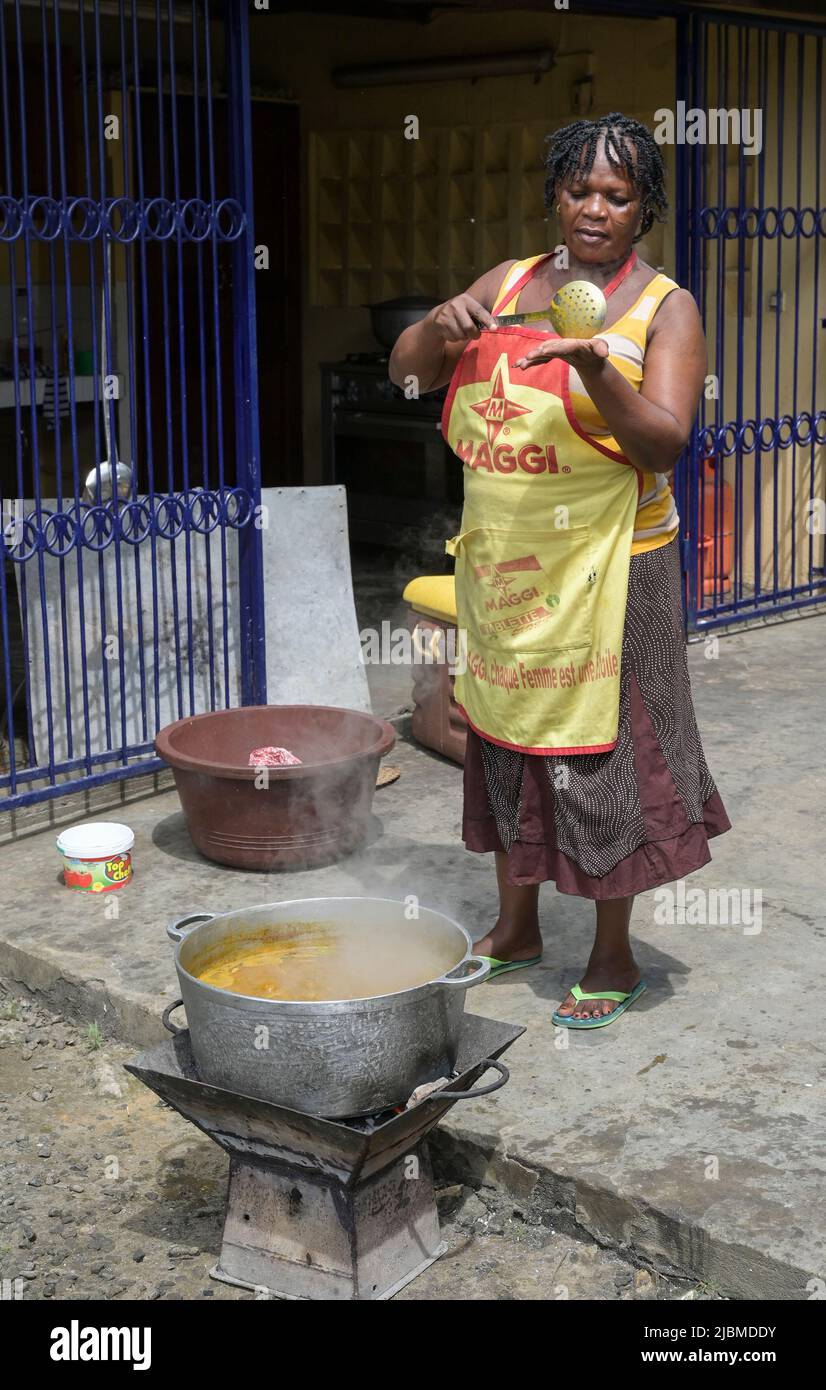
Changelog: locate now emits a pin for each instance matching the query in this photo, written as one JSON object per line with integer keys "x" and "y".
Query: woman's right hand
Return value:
{"x": 460, "y": 319}
{"x": 430, "y": 348}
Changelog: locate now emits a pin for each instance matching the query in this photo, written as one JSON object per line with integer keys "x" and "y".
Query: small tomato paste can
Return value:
{"x": 96, "y": 857}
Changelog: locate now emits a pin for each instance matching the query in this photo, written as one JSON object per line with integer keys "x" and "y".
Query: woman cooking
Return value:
{"x": 583, "y": 760}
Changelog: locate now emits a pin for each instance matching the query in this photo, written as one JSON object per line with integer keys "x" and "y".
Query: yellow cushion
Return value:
{"x": 433, "y": 594}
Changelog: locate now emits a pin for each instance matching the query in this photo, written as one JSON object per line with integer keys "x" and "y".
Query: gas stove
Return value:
{"x": 384, "y": 444}
{"x": 361, "y": 382}
{"x": 366, "y": 359}
{"x": 317, "y": 1208}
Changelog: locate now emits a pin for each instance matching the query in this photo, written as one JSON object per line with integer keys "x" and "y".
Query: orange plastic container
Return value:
{"x": 715, "y": 559}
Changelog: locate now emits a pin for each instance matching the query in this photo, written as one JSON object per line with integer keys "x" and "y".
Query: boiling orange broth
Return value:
{"x": 324, "y": 961}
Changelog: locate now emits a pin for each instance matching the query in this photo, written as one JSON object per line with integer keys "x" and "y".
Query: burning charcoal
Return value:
{"x": 425, "y": 1090}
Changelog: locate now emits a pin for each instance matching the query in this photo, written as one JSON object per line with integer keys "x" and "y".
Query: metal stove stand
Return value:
{"x": 324, "y": 1209}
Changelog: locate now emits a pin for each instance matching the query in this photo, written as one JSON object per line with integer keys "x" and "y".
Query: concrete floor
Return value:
{"x": 692, "y": 1132}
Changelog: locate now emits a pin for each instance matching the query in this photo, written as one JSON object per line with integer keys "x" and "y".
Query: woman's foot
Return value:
{"x": 516, "y": 934}
{"x": 620, "y": 974}
{"x": 510, "y": 941}
{"x": 611, "y": 965}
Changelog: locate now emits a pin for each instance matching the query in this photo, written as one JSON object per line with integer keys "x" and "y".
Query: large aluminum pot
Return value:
{"x": 338, "y": 1058}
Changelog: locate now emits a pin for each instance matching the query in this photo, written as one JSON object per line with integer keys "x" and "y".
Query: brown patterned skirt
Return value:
{"x": 606, "y": 825}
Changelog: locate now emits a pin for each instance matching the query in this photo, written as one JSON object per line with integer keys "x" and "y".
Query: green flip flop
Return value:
{"x": 624, "y": 1001}
{"x": 501, "y": 967}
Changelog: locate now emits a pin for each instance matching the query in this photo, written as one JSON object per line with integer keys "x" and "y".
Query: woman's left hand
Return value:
{"x": 581, "y": 353}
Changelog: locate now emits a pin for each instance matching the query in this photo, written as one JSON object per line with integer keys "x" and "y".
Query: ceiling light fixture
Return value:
{"x": 533, "y": 62}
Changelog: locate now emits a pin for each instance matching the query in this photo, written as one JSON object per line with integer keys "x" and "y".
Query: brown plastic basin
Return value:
{"x": 308, "y": 815}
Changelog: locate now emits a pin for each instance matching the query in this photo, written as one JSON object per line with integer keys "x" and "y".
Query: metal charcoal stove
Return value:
{"x": 325, "y": 1209}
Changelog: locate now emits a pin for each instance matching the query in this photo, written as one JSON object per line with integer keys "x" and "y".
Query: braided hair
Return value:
{"x": 629, "y": 146}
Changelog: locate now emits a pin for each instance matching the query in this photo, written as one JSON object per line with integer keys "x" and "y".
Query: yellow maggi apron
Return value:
{"x": 543, "y": 555}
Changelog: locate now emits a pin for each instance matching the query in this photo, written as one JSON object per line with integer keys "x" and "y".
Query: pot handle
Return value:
{"x": 479, "y": 973}
{"x": 504, "y": 1075}
{"x": 180, "y": 927}
{"x": 165, "y": 1019}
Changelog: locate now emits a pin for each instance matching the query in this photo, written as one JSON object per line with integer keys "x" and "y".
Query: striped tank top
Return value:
{"x": 656, "y": 521}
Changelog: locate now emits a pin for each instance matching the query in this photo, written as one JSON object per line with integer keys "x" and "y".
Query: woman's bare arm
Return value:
{"x": 429, "y": 350}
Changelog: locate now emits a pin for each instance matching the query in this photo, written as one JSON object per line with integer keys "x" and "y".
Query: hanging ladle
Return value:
{"x": 98, "y": 485}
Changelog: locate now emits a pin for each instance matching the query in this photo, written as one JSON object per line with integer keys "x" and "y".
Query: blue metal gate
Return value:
{"x": 751, "y": 230}
{"x": 131, "y": 582}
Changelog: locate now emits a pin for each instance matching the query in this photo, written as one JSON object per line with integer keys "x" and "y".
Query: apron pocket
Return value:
{"x": 526, "y": 592}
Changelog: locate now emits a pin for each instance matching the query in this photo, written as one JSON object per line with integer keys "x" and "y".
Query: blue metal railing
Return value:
{"x": 751, "y": 231}
{"x": 131, "y": 583}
